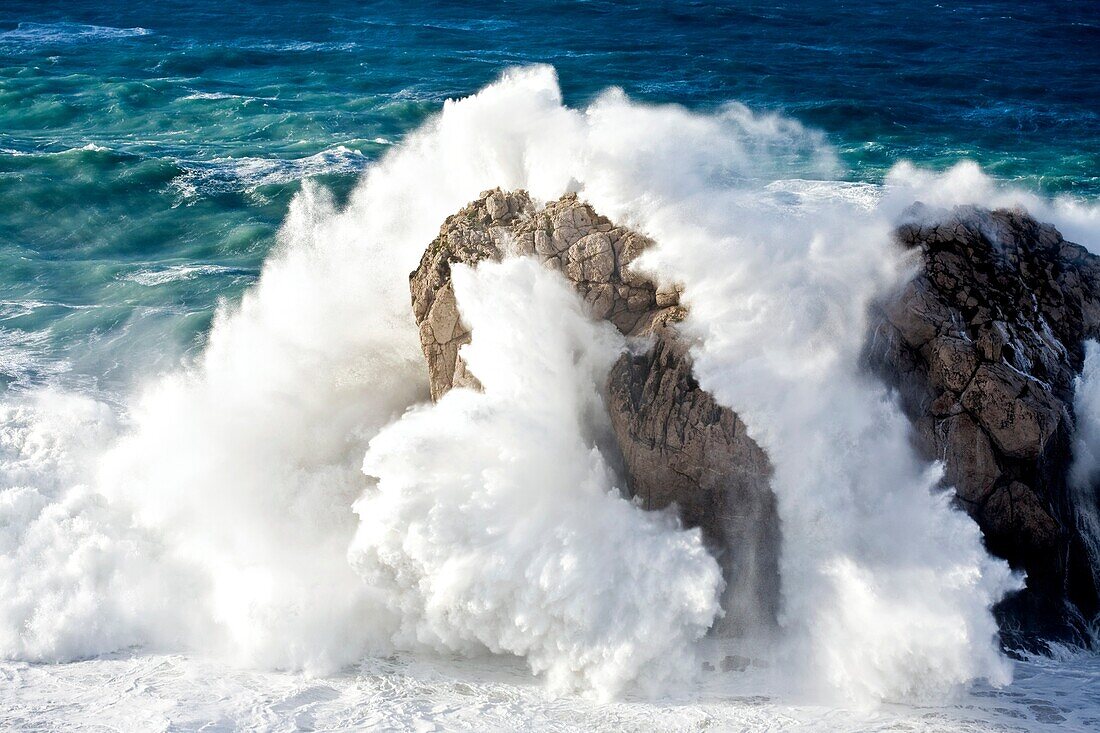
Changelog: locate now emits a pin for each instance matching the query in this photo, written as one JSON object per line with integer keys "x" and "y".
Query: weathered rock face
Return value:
{"x": 567, "y": 236}
{"x": 984, "y": 345}
{"x": 479, "y": 232}
{"x": 682, "y": 447}
{"x": 678, "y": 445}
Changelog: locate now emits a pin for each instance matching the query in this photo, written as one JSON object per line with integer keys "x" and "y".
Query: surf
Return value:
{"x": 289, "y": 498}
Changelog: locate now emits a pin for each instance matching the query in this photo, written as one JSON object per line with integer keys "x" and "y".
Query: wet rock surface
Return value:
{"x": 984, "y": 345}
{"x": 677, "y": 445}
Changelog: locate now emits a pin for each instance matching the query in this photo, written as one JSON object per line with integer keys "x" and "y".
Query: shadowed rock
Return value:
{"x": 682, "y": 447}
{"x": 984, "y": 344}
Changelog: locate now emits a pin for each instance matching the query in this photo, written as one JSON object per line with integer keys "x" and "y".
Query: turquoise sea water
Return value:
{"x": 148, "y": 154}
{"x": 172, "y": 557}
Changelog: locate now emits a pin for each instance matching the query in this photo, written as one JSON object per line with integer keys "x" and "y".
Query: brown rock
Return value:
{"x": 567, "y": 236}
{"x": 1019, "y": 414}
{"x": 1015, "y": 513}
{"x": 952, "y": 362}
{"x": 683, "y": 448}
{"x": 969, "y": 462}
{"x": 678, "y": 446}
{"x": 478, "y": 232}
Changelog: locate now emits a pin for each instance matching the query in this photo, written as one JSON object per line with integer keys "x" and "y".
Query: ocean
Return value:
{"x": 182, "y": 440}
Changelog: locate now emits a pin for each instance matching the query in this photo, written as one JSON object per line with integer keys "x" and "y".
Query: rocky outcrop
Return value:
{"x": 678, "y": 446}
{"x": 481, "y": 231}
{"x": 984, "y": 345}
{"x": 567, "y": 236}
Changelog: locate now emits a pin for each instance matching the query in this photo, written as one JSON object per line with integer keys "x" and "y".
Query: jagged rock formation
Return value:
{"x": 481, "y": 231}
{"x": 678, "y": 445}
{"x": 567, "y": 236}
{"x": 984, "y": 345}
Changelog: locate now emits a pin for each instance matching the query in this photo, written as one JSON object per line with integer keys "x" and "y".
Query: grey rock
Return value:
{"x": 983, "y": 346}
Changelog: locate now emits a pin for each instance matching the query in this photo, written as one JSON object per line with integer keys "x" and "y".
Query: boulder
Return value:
{"x": 983, "y": 346}
{"x": 678, "y": 446}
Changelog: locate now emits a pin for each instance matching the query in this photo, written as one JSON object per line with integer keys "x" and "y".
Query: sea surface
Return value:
{"x": 149, "y": 153}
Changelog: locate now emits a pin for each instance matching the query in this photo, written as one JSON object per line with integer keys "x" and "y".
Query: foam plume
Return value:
{"x": 216, "y": 511}
{"x": 1084, "y": 474}
{"x": 497, "y": 524}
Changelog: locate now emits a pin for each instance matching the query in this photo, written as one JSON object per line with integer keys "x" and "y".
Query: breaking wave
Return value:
{"x": 230, "y": 509}
{"x": 34, "y": 35}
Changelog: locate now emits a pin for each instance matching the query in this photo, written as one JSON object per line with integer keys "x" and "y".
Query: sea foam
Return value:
{"x": 229, "y": 508}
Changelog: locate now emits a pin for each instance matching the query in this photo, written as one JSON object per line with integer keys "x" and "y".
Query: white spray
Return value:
{"x": 223, "y": 513}
{"x": 1084, "y": 477}
{"x": 497, "y": 525}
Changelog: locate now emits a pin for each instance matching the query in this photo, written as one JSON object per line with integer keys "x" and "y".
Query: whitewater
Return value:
{"x": 285, "y": 533}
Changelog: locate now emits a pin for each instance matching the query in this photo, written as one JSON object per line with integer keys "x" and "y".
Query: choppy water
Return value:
{"x": 148, "y": 157}
{"x": 148, "y": 150}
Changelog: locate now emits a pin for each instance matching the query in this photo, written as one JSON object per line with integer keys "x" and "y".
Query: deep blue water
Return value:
{"x": 148, "y": 151}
